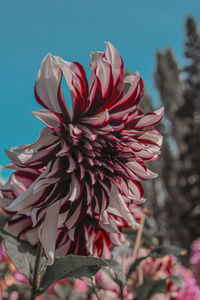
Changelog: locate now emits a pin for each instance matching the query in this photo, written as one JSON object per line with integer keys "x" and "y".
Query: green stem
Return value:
{"x": 95, "y": 291}
{"x": 138, "y": 238}
{"x": 36, "y": 270}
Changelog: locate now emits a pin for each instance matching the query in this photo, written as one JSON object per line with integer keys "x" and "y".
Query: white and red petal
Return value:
{"x": 151, "y": 137}
{"x": 118, "y": 207}
{"x": 104, "y": 75}
{"x": 47, "y": 84}
{"x": 29, "y": 196}
{"x": 133, "y": 95}
{"x": 116, "y": 62}
{"x": 49, "y": 118}
{"x": 99, "y": 120}
{"x": 28, "y": 153}
{"x": 17, "y": 225}
{"x": 76, "y": 84}
{"x": 139, "y": 169}
{"x": 74, "y": 217}
{"x": 149, "y": 119}
{"x": 49, "y": 226}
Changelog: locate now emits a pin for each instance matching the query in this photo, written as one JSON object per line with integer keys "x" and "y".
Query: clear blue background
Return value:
{"x": 71, "y": 29}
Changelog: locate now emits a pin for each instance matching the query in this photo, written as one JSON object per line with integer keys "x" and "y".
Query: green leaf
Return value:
{"x": 116, "y": 267}
{"x": 21, "y": 253}
{"x": 149, "y": 288}
{"x": 74, "y": 266}
{"x": 157, "y": 252}
{"x": 134, "y": 266}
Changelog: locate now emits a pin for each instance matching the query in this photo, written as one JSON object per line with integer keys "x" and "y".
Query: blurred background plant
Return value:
{"x": 174, "y": 197}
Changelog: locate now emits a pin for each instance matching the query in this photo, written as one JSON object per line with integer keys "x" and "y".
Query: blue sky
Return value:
{"x": 71, "y": 29}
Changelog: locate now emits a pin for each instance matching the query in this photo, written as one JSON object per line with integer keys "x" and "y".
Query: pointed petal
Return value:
{"x": 75, "y": 216}
{"x": 17, "y": 224}
{"x": 151, "y": 137}
{"x": 48, "y": 231}
{"x": 47, "y": 84}
{"x": 117, "y": 203}
{"x": 24, "y": 153}
{"x": 140, "y": 170}
{"x": 113, "y": 57}
{"x": 99, "y": 120}
{"x": 28, "y": 197}
{"x": 49, "y": 118}
{"x": 132, "y": 96}
{"x": 76, "y": 85}
{"x": 149, "y": 119}
{"x": 103, "y": 73}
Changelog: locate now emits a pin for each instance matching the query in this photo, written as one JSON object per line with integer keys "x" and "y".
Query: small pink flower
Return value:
{"x": 195, "y": 259}
{"x": 109, "y": 289}
{"x": 191, "y": 290}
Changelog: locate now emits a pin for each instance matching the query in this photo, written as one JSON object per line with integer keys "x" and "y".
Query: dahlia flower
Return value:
{"x": 94, "y": 156}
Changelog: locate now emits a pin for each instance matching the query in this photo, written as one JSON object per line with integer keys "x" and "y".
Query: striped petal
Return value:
{"x": 49, "y": 118}
{"x": 47, "y": 84}
{"x": 25, "y": 153}
{"x": 117, "y": 206}
{"x": 77, "y": 85}
{"x": 149, "y": 119}
{"x": 132, "y": 96}
{"x": 29, "y": 196}
{"x": 49, "y": 227}
{"x": 140, "y": 170}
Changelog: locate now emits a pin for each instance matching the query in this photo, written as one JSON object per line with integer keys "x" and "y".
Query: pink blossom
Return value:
{"x": 109, "y": 289}
{"x": 190, "y": 291}
{"x": 94, "y": 157}
{"x": 195, "y": 259}
{"x": 161, "y": 268}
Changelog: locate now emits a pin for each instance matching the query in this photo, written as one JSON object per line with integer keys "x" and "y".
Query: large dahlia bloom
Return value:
{"x": 93, "y": 156}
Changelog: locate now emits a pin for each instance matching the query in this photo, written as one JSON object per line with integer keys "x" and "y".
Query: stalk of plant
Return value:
{"x": 36, "y": 271}
{"x": 138, "y": 238}
{"x": 95, "y": 290}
